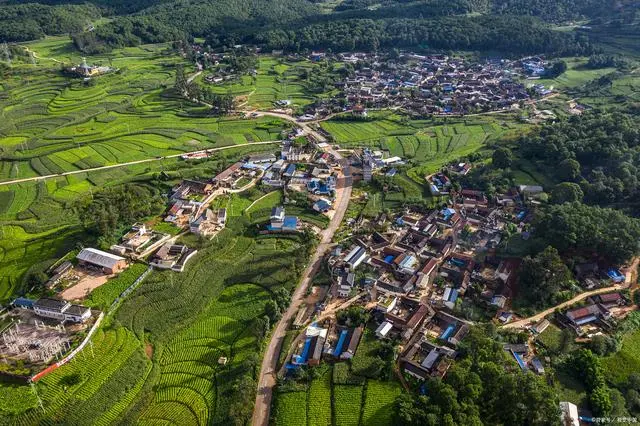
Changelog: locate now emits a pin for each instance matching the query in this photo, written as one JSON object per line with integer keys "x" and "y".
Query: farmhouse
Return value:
{"x": 61, "y": 310}
{"x": 281, "y": 223}
{"x": 107, "y": 262}
{"x": 172, "y": 256}
{"x": 425, "y": 359}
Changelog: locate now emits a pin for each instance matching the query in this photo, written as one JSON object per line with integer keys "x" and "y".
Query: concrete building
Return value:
{"x": 109, "y": 263}
{"x": 61, "y": 310}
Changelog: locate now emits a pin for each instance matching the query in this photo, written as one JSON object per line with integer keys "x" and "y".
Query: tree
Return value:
{"x": 502, "y": 158}
{"x": 272, "y": 311}
{"x": 181, "y": 80}
{"x": 37, "y": 279}
{"x": 600, "y": 401}
{"x": 542, "y": 278}
{"x": 589, "y": 230}
{"x": 568, "y": 170}
{"x": 566, "y": 192}
{"x": 603, "y": 345}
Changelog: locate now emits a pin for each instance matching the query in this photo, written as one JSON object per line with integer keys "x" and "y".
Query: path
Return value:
{"x": 267, "y": 378}
{"x": 539, "y": 316}
{"x": 147, "y": 160}
{"x": 35, "y": 55}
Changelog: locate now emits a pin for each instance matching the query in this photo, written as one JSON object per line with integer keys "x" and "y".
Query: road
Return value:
{"x": 630, "y": 280}
{"x": 539, "y": 316}
{"x": 267, "y": 379}
{"x": 147, "y": 160}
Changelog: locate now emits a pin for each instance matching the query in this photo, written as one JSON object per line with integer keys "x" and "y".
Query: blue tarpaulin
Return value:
{"x": 343, "y": 336}
{"x": 447, "y": 332}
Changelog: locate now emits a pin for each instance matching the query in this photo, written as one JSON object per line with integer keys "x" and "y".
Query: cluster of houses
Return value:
{"x": 425, "y": 274}
{"x": 333, "y": 343}
{"x": 433, "y": 84}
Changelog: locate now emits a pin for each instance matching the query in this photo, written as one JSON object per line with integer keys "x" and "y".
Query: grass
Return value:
{"x": 619, "y": 366}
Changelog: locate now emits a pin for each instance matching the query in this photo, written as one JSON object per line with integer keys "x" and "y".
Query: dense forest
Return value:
{"x": 32, "y": 21}
{"x": 599, "y": 152}
{"x": 507, "y": 34}
{"x": 502, "y": 25}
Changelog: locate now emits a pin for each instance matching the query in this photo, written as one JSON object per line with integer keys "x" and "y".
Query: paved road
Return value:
{"x": 267, "y": 379}
{"x": 147, "y": 160}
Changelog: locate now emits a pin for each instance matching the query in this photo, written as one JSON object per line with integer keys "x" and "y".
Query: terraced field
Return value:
{"x": 275, "y": 79}
{"x": 50, "y": 124}
{"x": 428, "y": 143}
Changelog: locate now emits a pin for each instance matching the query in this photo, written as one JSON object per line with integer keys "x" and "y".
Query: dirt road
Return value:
{"x": 537, "y": 317}
{"x": 267, "y": 379}
{"x": 147, "y": 160}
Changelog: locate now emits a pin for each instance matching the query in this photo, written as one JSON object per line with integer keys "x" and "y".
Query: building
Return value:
{"x": 107, "y": 262}
{"x": 424, "y": 360}
{"x": 586, "y": 315}
{"x": 61, "y": 310}
{"x": 383, "y": 330}
{"x": 262, "y": 158}
{"x": 355, "y": 257}
{"x": 281, "y": 223}
{"x": 172, "y": 256}
{"x": 322, "y": 205}
{"x": 346, "y": 284}
{"x": 427, "y": 273}
{"x": 227, "y": 178}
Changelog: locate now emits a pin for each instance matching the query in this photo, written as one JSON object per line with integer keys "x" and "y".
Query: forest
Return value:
{"x": 597, "y": 151}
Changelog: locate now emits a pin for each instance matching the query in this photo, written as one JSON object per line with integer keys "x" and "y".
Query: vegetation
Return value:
{"x": 469, "y": 393}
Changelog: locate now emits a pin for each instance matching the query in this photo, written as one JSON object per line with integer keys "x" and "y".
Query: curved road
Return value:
{"x": 147, "y": 160}
{"x": 267, "y": 379}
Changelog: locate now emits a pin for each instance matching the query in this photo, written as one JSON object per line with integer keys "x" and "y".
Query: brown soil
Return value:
{"x": 148, "y": 349}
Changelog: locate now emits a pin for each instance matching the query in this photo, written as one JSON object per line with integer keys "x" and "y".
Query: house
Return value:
{"x": 172, "y": 256}
{"x": 540, "y": 326}
{"x": 322, "y": 205}
{"x": 587, "y": 314}
{"x": 383, "y": 330}
{"x": 107, "y": 262}
{"x": 355, "y": 257}
{"x": 354, "y": 340}
{"x": 425, "y": 359}
{"x": 226, "y": 178}
{"x": 262, "y": 158}
{"x": 346, "y": 284}
{"x": 281, "y": 223}
{"x": 427, "y": 273}
{"x": 61, "y": 310}
{"x": 609, "y": 300}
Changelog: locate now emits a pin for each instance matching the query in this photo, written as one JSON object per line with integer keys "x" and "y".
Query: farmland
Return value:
{"x": 52, "y": 124}
{"x": 275, "y": 79}
{"x": 348, "y": 393}
{"x": 428, "y": 144}
{"x": 189, "y": 321}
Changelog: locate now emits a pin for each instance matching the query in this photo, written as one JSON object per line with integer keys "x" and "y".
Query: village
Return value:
{"x": 423, "y": 279}
{"x": 423, "y": 85}
{"x": 41, "y": 330}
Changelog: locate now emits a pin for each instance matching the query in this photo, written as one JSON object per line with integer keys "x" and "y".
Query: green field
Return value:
{"x": 276, "y": 79}
{"x": 428, "y": 144}
{"x": 51, "y": 124}
{"x": 184, "y": 322}
{"x": 346, "y": 393}
{"x": 619, "y": 366}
